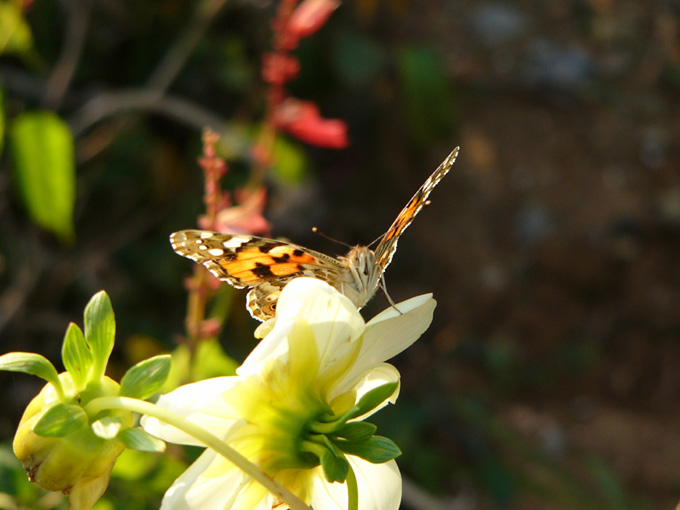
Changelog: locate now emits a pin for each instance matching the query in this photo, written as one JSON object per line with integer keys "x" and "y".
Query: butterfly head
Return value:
{"x": 362, "y": 276}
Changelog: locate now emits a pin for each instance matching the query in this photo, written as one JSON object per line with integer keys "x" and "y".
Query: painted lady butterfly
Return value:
{"x": 266, "y": 265}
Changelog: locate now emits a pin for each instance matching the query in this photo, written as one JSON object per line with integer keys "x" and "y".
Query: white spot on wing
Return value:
{"x": 235, "y": 242}
{"x": 206, "y": 235}
{"x": 216, "y": 252}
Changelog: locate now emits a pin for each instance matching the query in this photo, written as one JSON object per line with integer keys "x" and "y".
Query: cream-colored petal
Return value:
{"x": 334, "y": 320}
{"x": 390, "y": 333}
{"x": 193, "y": 490}
{"x": 379, "y": 488}
{"x": 201, "y": 403}
{"x": 357, "y": 388}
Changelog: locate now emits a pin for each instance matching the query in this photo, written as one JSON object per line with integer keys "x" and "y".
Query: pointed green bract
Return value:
{"x": 374, "y": 398}
{"x": 76, "y": 355}
{"x": 146, "y": 377}
{"x": 30, "y": 363}
{"x": 100, "y": 331}
{"x": 43, "y": 153}
{"x": 377, "y": 449}
{"x": 335, "y": 467}
{"x": 61, "y": 420}
{"x": 356, "y": 431}
{"x": 137, "y": 439}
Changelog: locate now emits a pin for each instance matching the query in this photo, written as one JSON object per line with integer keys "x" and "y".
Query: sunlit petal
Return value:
{"x": 379, "y": 488}
{"x": 201, "y": 403}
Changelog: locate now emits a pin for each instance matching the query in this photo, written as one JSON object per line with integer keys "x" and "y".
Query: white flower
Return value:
{"x": 295, "y": 405}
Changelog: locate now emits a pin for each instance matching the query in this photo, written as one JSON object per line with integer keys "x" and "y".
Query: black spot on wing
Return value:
{"x": 283, "y": 258}
{"x": 262, "y": 270}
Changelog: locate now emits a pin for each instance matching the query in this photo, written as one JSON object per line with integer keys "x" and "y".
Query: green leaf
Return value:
{"x": 42, "y": 150}
{"x": 210, "y": 360}
{"x": 146, "y": 377}
{"x": 374, "y": 398}
{"x": 376, "y": 450}
{"x": 359, "y": 59}
{"x": 100, "y": 329}
{"x": 30, "y": 363}
{"x": 138, "y": 439}
{"x": 76, "y": 355}
{"x": 107, "y": 427}
{"x": 428, "y": 96}
{"x": 61, "y": 420}
{"x": 335, "y": 467}
{"x": 356, "y": 431}
{"x": 291, "y": 161}
{"x": 2, "y": 118}
{"x": 15, "y": 34}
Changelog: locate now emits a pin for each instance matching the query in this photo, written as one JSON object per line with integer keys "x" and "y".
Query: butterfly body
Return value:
{"x": 267, "y": 265}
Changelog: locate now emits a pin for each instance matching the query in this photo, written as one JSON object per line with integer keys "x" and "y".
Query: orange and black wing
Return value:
{"x": 264, "y": 265}
{"x": 388, "y": 244}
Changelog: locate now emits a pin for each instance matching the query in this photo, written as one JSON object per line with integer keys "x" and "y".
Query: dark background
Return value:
{"x": 549, "y": 377}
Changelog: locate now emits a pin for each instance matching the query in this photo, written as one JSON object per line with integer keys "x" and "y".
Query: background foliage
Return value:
{"x": 549, "y": 378}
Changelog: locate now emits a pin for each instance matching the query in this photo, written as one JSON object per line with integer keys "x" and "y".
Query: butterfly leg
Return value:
{"x": 383, "y": 286}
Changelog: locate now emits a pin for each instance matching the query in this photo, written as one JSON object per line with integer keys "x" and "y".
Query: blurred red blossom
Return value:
{"x": 310, "y": 16}
{"x": 303, "y": 120}
{"x": 244, "y": 218}
{"x": 295, "y": 20}
{"x": 278, "y": 68}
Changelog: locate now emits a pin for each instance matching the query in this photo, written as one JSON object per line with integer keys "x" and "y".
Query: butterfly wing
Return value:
{"x": 388, "y": 244}
{"x": 264, "y": 265}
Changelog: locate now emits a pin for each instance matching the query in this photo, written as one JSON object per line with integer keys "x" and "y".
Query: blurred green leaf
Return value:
{"x": 137, "y": 439}
{"x": 291, "y": 161}
{"x": 30, "y": 363}
{"x": 359, "y": 59}
{"x": 42, "y": 150}
{"x": 76, "y": 355}
{"x": 210, "y": 360}
{"x": 100, "y": 330}
{"x": 146, "y": 377}
{"x": 2, "y": 120}
{"x": 427, "y": 94}
{"x": 61, "y": 420}
{"x": 15, "y": 34}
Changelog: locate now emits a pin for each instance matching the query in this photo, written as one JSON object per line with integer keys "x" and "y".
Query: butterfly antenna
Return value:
{"x": 318, "y": 232}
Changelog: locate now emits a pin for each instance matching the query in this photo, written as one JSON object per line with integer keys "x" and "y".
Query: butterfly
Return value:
{"x": 266, "y": 265}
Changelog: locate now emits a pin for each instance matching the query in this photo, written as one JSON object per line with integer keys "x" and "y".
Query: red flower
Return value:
{"x": 278, "y": 68}
{"x": 303, "y": 120}
{"x": 245, "y": 218}
{"x": 309, "y": 17}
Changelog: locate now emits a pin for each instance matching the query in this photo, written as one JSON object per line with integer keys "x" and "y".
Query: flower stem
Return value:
{"x": 352, "y": 490}
{"x": 205, "y": 437}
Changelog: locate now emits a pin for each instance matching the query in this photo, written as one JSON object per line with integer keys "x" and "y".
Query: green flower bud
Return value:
{"x": 79, "y": 462}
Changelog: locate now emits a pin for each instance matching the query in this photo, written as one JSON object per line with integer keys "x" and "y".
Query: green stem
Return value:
{"x": 205, "y": 437}
{"x": 352, "y": 490}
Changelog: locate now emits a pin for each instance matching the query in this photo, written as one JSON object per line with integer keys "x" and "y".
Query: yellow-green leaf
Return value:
{"x": 2, "y": 120}
{"x": 15, "y": 34}
{"x": 42, "y": 150}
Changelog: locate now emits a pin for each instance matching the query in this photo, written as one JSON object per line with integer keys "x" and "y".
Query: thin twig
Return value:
{"x": 62, "y": 73}
{"x": 168, "y": 69}
{"x": 110, "y": 103}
